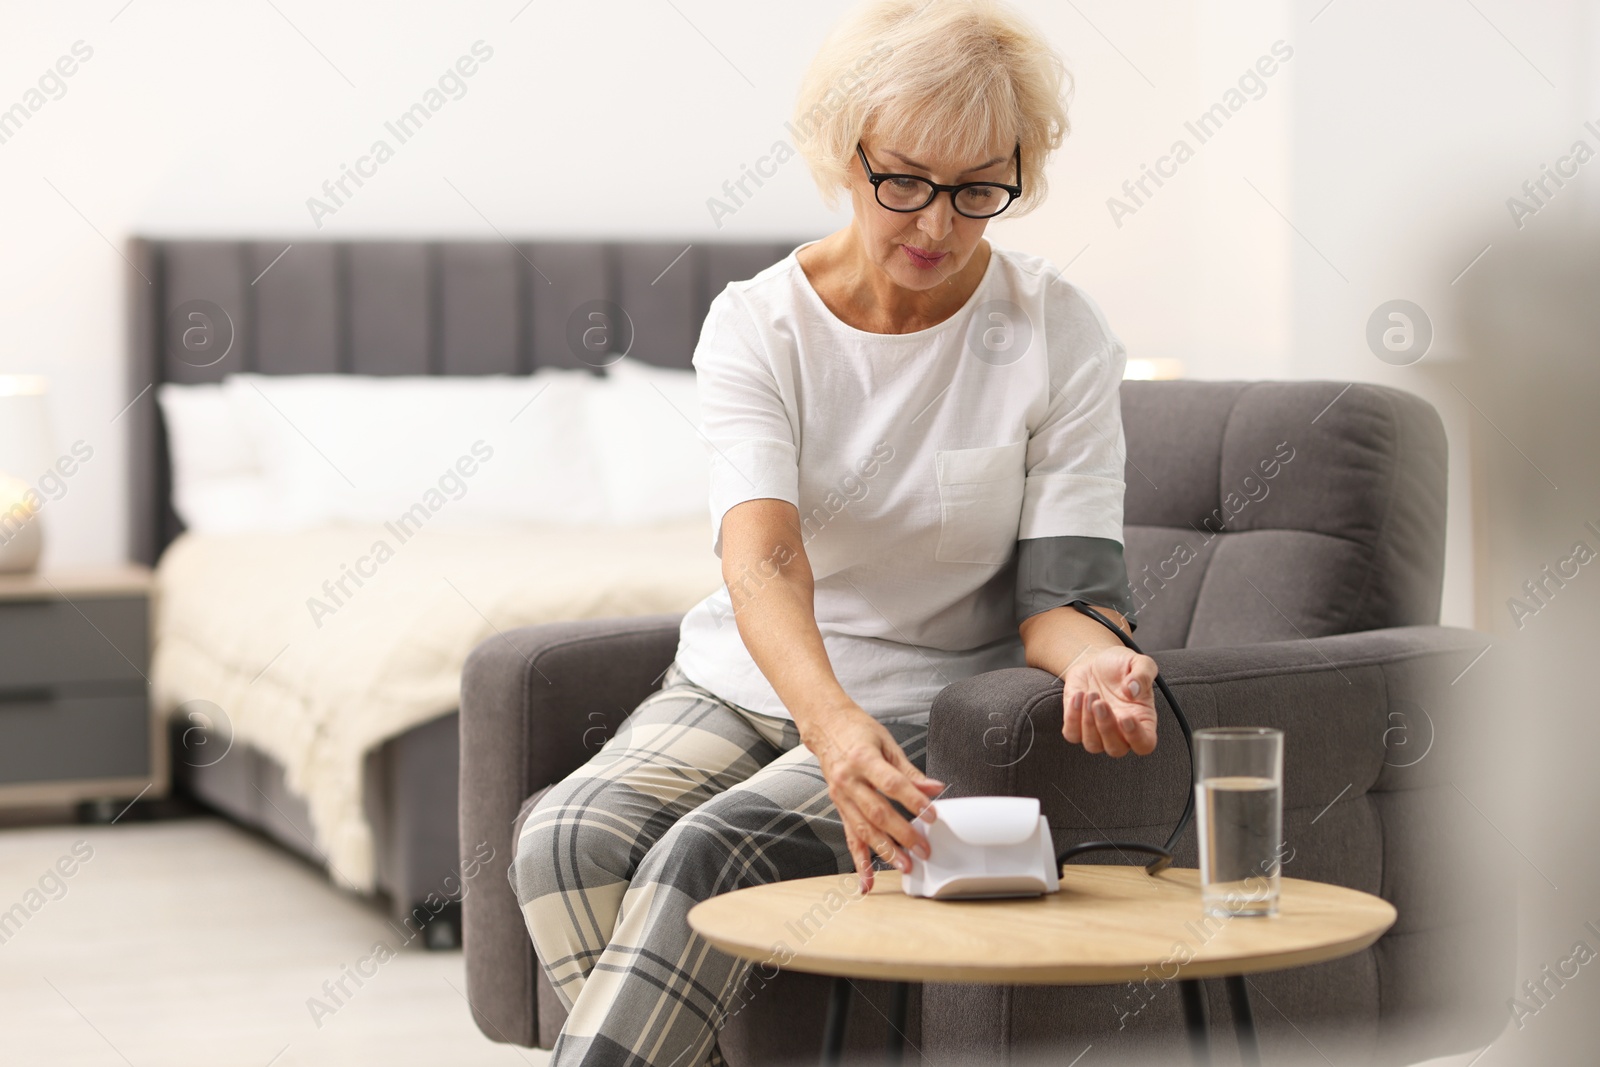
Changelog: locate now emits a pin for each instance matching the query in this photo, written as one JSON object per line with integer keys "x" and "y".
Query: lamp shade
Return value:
{"x": 25, "y": 442}
{"x": 26, "y": 453}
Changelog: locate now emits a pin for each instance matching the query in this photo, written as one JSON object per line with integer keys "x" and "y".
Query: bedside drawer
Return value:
{"x": 47, "y": 737}
{"x": 46, "y": 643}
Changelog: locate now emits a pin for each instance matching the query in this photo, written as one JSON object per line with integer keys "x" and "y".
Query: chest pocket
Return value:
{"x": 980, "y": 502}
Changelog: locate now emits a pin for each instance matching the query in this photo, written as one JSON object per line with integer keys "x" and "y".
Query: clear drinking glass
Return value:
{"x": 1239, "y": 795}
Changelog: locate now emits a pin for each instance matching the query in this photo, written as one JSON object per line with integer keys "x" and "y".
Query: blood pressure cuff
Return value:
{"x": 1052, "y": 572}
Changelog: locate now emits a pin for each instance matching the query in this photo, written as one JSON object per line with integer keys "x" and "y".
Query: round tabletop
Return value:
{"x": 1107, "y": 924}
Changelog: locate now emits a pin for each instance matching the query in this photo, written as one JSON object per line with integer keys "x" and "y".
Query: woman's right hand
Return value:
{"x": 865, "y": 769}
{"x": 771, "y": 588}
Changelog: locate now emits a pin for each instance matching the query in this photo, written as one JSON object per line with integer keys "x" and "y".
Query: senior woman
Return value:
{"x": 916, "y": 455}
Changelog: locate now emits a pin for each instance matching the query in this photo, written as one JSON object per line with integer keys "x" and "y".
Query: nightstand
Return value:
{"x": 75, "y": 717}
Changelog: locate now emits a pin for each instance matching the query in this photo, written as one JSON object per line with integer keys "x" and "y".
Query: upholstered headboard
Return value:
{"x": 399, "y": 307}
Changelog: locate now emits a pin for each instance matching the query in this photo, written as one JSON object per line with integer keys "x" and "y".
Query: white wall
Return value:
{"x": 1389, "y": 138}
{"x": 1413, "y": 125}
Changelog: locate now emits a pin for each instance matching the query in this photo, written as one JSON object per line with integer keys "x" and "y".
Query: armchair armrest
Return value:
{"x": 1382, "y": 749}
{"x": 1338, "y": 700}
{"x": 535, "y": 703}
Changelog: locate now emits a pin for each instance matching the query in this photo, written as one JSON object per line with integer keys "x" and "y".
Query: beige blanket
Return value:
{"x": 320, "y": 645}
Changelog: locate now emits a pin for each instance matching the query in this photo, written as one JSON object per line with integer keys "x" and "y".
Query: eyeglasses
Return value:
{"x": 975, "y": 200}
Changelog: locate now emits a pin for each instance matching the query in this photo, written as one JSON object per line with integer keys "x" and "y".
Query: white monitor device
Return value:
{"x": 985, "y": 847}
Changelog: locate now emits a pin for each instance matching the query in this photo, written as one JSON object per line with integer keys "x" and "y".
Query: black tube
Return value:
{"x": 1163, "y": 855}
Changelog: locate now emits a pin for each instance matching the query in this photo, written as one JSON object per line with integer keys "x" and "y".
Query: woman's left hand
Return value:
{"x": 1109, "y": 702}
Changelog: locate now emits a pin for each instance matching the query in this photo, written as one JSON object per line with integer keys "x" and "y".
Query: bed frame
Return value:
{"x": 390, "y": 308}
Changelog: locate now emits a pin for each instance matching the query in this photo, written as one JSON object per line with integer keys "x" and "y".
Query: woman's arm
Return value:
{"x": 769, "y": 578}
{"x": 1108, "y": 690}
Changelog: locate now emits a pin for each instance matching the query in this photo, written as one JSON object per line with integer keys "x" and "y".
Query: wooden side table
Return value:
{"x": 75, "y": 715}
{"x": 1107, "y": 924}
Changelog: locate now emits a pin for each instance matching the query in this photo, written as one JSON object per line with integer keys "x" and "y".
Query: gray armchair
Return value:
{"x": 1285, "y": 547}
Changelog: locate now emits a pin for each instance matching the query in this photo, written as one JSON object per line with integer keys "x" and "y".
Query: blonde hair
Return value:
{"x": 940, "y": 76}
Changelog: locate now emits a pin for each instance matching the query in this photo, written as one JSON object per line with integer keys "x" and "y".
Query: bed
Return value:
{"x": 343, "y": 747}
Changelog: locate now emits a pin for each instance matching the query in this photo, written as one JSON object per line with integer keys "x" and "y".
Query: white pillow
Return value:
{"x": 203, "y": 437}
{"x": 643, "y": 430}
{"x": 287, "y": 452}
{"x": 446, "y": 450}
{"x": 218, "y": 485}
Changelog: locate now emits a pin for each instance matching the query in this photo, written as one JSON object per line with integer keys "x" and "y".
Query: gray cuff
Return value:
{"x": 1052, "y": 572}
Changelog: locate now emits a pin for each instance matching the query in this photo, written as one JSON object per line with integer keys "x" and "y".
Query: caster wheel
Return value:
{"x": 443, "y": 932}
{"x": 99, "y": 811}
{"x": 441, "y": 936}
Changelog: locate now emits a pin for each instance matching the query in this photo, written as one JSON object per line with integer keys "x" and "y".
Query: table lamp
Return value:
{"x": 24, "y": 457}
{"x": 1152, "y": 370}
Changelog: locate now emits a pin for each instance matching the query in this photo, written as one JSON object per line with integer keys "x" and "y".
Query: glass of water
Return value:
{"x": 1239, "y": 794}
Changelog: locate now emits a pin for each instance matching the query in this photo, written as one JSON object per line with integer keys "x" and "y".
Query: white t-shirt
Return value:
{"x": 917, "y": 461}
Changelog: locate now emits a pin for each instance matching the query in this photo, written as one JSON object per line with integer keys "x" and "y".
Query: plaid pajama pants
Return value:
{"x": 693, "y": 797}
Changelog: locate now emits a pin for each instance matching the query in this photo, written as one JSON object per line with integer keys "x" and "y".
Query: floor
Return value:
{"x": 193, "y": 942}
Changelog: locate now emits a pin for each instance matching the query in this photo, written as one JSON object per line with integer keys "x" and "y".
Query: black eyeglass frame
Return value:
{"x": 877, "y": 181}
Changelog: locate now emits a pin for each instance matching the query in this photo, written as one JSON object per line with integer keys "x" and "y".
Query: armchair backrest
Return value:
{"x": 1267, "y": 511}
